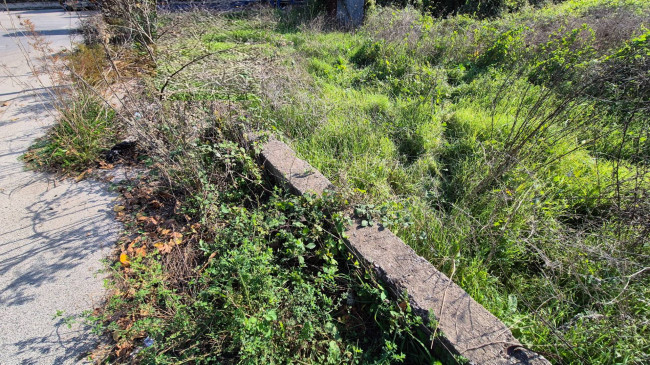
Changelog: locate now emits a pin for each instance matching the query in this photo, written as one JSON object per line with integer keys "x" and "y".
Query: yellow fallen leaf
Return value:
{"x": 163, "y": 247}
{"x": 118, "y": 208}
{"x": 124, "y": 259}
{"x": 81, "y": 176}
{"x": 177, "y": 238}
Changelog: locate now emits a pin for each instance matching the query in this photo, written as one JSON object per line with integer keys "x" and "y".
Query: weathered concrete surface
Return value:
{"x": 296, "y": 174}
{"x": 53, "y": 234}
{"x": 468, "y": 328}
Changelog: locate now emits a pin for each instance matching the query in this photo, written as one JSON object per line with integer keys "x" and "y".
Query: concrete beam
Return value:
{"x": 295, "y": 174}
{"x": 466, "y": 327}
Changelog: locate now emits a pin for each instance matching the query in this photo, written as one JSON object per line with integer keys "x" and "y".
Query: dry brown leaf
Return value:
{"x": 164, "y": 248}
{"x": 141, "y": 251}
{"x": 123, "y": 348}
{"x": 105, "y": 165}
{"x": 403, "y": 305}
{"x": 155, "y": 204}
{"x": 176, "y": 238}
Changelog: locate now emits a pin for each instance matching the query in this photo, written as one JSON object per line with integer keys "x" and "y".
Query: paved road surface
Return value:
{"x": 53, "y": 234}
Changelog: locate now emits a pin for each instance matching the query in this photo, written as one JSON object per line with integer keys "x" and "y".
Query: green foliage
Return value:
{"x": 509, "y": 152}
{"x": 505, "y": 49}
{"x": 84, "y": 131}
{"x": 564, "y": 53}
{"x": 273, "y": 281}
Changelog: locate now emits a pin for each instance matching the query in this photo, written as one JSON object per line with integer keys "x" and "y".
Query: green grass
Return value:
{"x": 542, "y": 224}
{"x": 84, "y": 131}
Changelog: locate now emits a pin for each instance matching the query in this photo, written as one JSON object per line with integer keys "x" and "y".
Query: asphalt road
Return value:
{"x": 53, "y": 233}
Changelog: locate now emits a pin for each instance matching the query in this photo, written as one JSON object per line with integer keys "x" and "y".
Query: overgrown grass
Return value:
{"x": 84, "y": 131}
{"x": 217, "y": 265}
{"x": 223, "y": 268}
{"x": 87, "y": 80}
{"x": 514, "y": 146}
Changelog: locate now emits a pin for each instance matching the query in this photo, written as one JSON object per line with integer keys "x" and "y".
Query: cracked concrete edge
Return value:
{"x": 295, "y": 174}
{"x": 468, "y": 329}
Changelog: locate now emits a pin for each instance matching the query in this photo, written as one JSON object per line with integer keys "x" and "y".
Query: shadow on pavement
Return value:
{"x": 49, "y": 32}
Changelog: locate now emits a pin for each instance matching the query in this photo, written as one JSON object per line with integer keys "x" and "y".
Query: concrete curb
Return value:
{"x": 30, "y": 6}
{"x": 468, "y": 329}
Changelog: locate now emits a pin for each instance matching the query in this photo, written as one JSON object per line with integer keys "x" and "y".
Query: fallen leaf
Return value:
{"x": 155, "y": 204}
{"x": 81, "y": 176}
{"x": 177, "y": 238}
{"x": 6, "y": 103}
{"x": 163, "y": 248}
{"x": 105, "y": 166}
{"x": 124, "y": 259}
{"x": 403, "y": 305}
{"x": 141, "y": 251}
{"x": 118, "y": 208}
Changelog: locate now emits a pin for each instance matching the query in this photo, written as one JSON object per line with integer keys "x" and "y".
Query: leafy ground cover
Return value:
{"x": 221, "y": 267}
{"x": 512, "y": 152}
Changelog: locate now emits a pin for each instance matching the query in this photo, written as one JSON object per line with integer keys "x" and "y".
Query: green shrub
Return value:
{"x": 273, "y": 281}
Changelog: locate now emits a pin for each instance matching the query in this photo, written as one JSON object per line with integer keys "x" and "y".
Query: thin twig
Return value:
{"x": 162, "y": 89}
